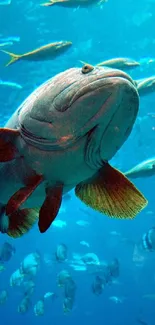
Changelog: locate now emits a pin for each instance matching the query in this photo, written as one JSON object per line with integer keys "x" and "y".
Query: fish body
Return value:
{"x": 62, "y": 137}
{"x": 98, "y": 285}
{"x": 84, "y": 243}
{"x": 10, "y": 39}
{"x": 46, "y": 52}
{"x": 3, "y": 297}
{"x": 69, "y": 295}
{"x": 59, "y": 223}
{"x": 6, "y": 252}
{"x": 116, "y": 299}
{"x": 118, "y": 63}
{"x": 24, "y": 305}
{"x": 63, "y": 277}
{"x": 10, "y": 84}
{"x": 148, "y": 240}
{"x": 146, "y": 86}
{"x": 3, "y": 44}
{"x": 82, "y": 223}
{"x": 61, "y": 253}
{"x": 144, "y": 169}
{"x": 73, "y": 3}
{"x": 39, "y": 308}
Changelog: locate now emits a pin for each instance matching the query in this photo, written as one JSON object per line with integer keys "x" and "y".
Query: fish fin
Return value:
{"x": 101, "y": 64}
{"x": 50, "y": 207}
{"x": 21, "y": 221}
{"x": 111, "y": 193}
{"x": 8, "y": 150}
{"x": 19, "y": 197}
{"x": 83, "y": 62}
{"x": 47, "y": 4}
{"x": 136, "y": 83}
{"x": 14, "y": 57}
{"x": 4, "y": 220}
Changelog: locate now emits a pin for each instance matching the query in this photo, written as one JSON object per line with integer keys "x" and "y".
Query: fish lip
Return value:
{"x": 47, "y": 144}
{"x": 114, "y": 74}
{"x": 32, "y": 139}
{"x": 28, "y": 135}
{"x": 43, "y": 143}
{"x": 111, "y": 73}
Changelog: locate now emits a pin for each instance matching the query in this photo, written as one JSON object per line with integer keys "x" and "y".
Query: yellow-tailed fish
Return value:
{"x": 46, "y": 52}
{"x": 73, "y": 3}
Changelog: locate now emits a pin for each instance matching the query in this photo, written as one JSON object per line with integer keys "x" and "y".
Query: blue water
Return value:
{"x": 117, "y": 29}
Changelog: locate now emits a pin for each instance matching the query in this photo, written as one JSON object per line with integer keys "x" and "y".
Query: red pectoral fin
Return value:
{"x": 50, "y": 207}
{"x": 22, "y": 195}
{"x": 8, "y": 150}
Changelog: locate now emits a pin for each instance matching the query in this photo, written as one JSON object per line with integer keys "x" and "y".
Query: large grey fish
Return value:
{"x": 62, "y": 137}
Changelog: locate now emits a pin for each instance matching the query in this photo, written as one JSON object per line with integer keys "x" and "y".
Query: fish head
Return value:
{"x": 63, "y": 45}
{"x": 94, "y": 102}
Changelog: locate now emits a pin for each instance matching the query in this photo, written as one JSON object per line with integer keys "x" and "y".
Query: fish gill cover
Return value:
{"x": 86, "y": 268}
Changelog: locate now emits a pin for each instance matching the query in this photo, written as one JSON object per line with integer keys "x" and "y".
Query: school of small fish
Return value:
{"x": 101, "y": 275}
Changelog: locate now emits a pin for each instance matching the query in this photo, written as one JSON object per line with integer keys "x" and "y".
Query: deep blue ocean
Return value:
{"x": 117, "y": 28}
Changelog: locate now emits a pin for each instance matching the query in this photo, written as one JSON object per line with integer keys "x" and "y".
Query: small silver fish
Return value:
{"x": 10, "y": 84}
{"x": 142, "y": 170}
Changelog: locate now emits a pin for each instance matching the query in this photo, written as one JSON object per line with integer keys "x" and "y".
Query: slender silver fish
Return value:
{"x": 144, "y": 169}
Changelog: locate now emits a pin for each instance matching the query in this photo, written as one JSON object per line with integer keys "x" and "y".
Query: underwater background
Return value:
{"x": 117, "y": 28}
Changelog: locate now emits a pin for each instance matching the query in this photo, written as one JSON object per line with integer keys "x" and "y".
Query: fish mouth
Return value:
{"x": 26, "y": 134}
{"x": 48, "y": 145}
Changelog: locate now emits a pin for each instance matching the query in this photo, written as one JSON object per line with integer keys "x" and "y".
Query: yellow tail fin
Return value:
{"x": 14, "y": 57}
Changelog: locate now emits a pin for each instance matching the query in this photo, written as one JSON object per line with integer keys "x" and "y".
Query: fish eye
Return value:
{"x": 87, "y": 68}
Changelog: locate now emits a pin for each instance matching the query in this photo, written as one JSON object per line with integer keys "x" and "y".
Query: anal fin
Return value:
{"x": 18, "y": 198}
{"x": 21, "y": 221}
{"x": 111, "y": 193}
{"x": 50, "y": 207}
